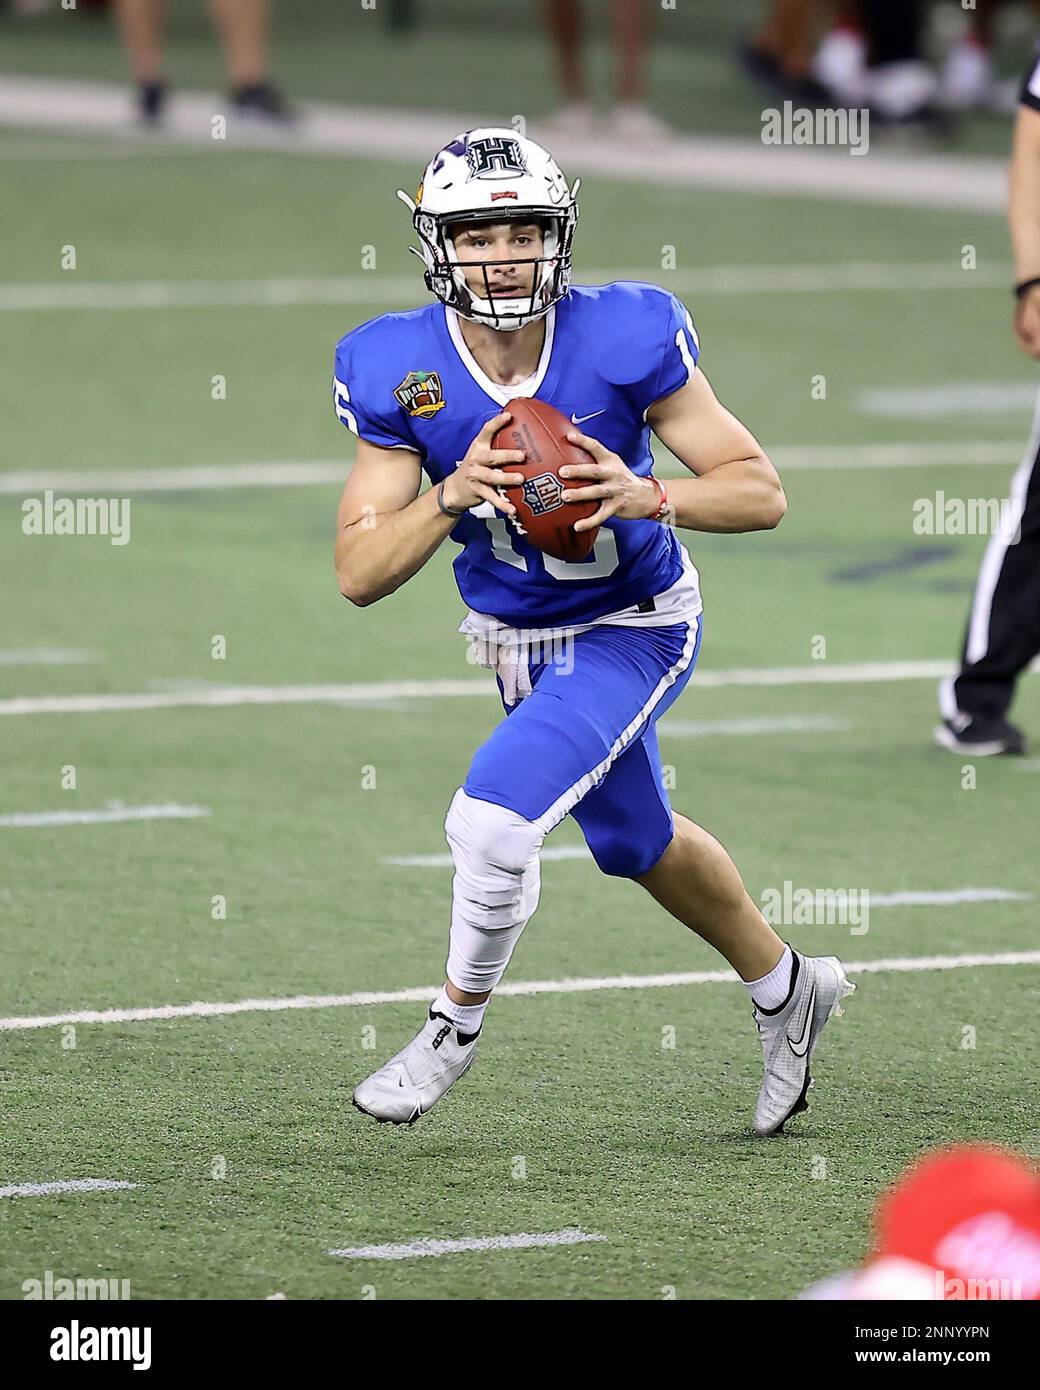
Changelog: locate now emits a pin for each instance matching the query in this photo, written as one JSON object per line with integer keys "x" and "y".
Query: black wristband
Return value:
{"x": 1023, "y": 289}
{"x": 448, "y": 511}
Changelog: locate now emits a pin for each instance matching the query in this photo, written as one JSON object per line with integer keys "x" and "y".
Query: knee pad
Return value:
{"x": 495, "y": 852}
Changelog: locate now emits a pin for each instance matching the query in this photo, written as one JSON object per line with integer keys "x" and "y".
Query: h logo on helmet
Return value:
{"x": 495, "y": 156}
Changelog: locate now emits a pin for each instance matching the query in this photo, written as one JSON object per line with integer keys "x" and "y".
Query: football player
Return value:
{"x": 424, "y": 391}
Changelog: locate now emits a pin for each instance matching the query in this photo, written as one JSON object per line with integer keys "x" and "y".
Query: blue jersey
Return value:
{"x": 408, "y": 381}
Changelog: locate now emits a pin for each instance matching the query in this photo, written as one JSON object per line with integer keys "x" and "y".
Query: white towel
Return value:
{"x": 502, "y": 649}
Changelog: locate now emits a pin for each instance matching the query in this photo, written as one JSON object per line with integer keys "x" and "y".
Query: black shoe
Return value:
{"x": 758, "y": 62}
{"x": 930, "y": 122}
{"x": 151, "y": 99}
{"x": 806, "y": 91}
{"x": 982, "y": 737}
{"x": 261, "y": 99}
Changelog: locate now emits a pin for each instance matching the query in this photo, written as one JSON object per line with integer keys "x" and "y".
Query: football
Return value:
{"x": 540, "y": 430}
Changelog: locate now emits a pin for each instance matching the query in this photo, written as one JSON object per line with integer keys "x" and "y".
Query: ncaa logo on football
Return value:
{"x": 420, "y": 394}
{"x": 543, "y": 493}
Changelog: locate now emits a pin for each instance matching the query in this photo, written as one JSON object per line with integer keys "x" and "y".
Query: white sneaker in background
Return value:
{"x": 840, "y": 65}
{"x": 634, "y": 123}
{"x": 901, "y": 91}
{"x": 966, "y": 82}
{"x": 577, "y": 119}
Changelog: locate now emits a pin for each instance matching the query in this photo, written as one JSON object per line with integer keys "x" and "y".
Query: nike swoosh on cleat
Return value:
{"x": 580, "y": 419}
{"x": 800, "y": 1051}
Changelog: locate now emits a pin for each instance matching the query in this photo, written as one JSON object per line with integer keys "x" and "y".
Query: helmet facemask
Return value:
{"x": 446, "y": 274}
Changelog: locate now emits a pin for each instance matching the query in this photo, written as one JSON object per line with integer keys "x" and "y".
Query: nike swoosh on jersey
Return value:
{"x": 580, "y": 419}
{"x": 800, "y": 1051}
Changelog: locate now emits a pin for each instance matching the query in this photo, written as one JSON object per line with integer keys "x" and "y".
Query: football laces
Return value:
{"x": 520, "y": 530}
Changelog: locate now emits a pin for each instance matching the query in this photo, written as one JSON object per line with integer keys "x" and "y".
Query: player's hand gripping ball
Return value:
{"x": 540, "y": 430}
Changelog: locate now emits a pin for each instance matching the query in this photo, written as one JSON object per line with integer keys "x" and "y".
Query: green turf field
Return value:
{"x": 647, "y": 1145}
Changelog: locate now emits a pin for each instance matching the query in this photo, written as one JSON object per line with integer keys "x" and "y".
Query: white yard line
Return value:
{"x": 46, "y": 656}
{"x": 423, "y": 993}
{"x": 307, "y": 473}
{"x": 953, "y": 897}
{"x": 742, "y": 165}
{"x": 77, "y": 150}
{"x": 48, "y": 1189}
{"x": 825, "y": 673}
{"x": 425, "y": 1246}
{"x": 783, "y": 724}
{"x": 107, "y": 815}
{"x": 70, "y": 294}
{"x": 973, "y": 398}
{"x": 1003, "y": 453}
{"x": 193, "y": 478}
{"x": 224, "y": 697}
{"x": 233, "y": 696}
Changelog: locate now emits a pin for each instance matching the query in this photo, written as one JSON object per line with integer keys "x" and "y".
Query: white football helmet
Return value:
{"x": 494, "y": 175}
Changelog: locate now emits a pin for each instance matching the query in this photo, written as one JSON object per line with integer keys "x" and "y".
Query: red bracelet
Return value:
{"x": 663, "y": 509}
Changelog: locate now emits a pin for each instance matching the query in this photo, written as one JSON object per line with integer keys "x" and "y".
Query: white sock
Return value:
{"x": 771, "y": 990}
{"x": 467, "y": 1018}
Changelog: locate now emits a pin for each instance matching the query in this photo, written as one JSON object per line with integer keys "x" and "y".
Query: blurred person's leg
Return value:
{"x": 630, "y": 36}
{"x": 781, "y": 53}
{"x": 967, "y": 72}
{"x": 969, "y": 80}
{"x": 785, "y": 41}
{"x": 142, "y": 23}
{"x": 244, "y": 26}
{"x": 630, "y": 31}
{"x": 900, "y": 85}
{"x": 564, "y": 21}
{"x": 840, "y": 64}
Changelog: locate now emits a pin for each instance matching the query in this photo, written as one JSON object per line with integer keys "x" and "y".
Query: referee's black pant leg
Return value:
{"x": 1003, "y": 633}
{"x": 894, "y": 30}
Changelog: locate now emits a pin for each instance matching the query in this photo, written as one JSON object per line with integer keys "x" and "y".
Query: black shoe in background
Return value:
{"x": 981, "y": 737}
{"x": 759, "y": 63}
{"x": 261, "y": 99}
{"x": 151, "y": 100}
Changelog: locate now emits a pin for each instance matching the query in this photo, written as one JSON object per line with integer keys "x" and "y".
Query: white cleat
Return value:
{"x": 415, "y": 1079}
{"x": 632, "y": 123}
{"x": 789, "y": 1037}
